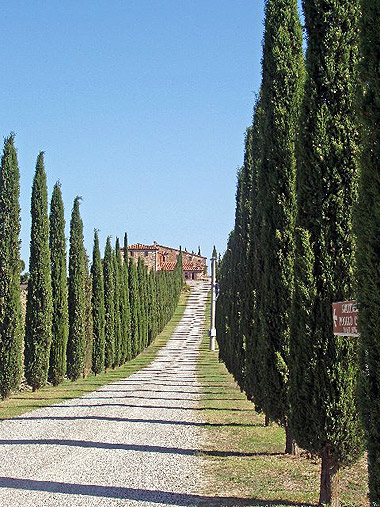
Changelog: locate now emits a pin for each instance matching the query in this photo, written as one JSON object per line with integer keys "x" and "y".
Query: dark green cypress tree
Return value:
{"x": 142, "y": 289}
{"x": 76, "y": 346}
{"x": 255, "y": 374}
{"x": 60, "y": 328}
{"x": 127, "y": 311}
{"x": 97, "y": 308}
{"x": 134, "y": 306}
{"x": 109, "y": 305}
{"x": 325, "y": 419}
{"x": 116, "y": 300}
{"x": 10, "y": 305}
{"x": 368, "y": 239}
{"x": 39, "y": 308}
{"x": 89, "y": 322}
{"x": 281, "y": 95}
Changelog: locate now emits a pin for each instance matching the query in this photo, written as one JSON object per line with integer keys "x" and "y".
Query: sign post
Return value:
{"x": 345, "y": 318}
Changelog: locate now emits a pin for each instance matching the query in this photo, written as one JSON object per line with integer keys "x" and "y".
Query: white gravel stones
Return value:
{"x": 132, "y": 442}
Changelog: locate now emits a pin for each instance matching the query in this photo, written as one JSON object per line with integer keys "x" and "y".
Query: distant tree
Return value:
{"x": 39, "y": 308}
{"x": 97, "y": 308}
{"x": 109, "y": 305}
{"x": 10, "y": 306}
{"x": 325, "y": 417}
{"x": 60, "y": 327}
{"x": 367, "y": 228}
{"x": 77, "y": 296}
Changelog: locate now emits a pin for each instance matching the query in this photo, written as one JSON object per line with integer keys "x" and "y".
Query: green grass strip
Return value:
{"x": 248, "y": 466}
{"x": 26, "y": 400}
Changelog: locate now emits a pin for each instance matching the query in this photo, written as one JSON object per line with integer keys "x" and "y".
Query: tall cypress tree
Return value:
{"x": 39, "y": 308}
{"x": 60, "y": 328}
{"x": 97, "y": 308}
{"x": 10, "y": 305}
{"x": 281, "y": 94}
{"x": 109, "y": 305}
{"x": 255, "y": 374}
{"x": 116, "y": 300}
{"x": 77, "y": 296}
{"x": 368, "y": 238}
{"x": 133, "y": 303}
{"x": 127, "y": 311}
{"x": 325, "y": 418}
{"x": 89, "y": 323}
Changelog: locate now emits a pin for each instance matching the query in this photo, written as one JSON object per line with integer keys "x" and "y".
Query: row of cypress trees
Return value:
{"x": 293, "y": 252}
{"x": 95, "y": 318}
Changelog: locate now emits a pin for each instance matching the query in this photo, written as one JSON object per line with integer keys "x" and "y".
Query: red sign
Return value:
{"x": 345, "y": 318}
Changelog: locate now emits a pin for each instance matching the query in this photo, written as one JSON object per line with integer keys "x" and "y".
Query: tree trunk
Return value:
{"x": 329, "y": 491}
{"x": 267, "y": 420}
{"x": 290, "y": 447}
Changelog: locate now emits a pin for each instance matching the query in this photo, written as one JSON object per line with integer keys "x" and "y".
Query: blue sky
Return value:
{"x": 140, "y": 106}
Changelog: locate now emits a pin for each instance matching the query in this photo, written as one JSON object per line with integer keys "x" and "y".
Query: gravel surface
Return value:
{"x": 132, "y": 442}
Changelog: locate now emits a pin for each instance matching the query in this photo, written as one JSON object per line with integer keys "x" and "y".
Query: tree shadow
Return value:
{"x": 128, "y": 420}
{"x": 134, "y": 447}
{"x": 162, "y": 407}
{"x": 139, "y": 495}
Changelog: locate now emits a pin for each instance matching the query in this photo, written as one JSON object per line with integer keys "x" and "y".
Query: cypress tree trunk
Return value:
{"x": 10, "y": 306}
{"x": 77, "y": 297}
{"x": 109, "y": 305}
{"x": 60, "y": 327}
{"x": 368, "y": 233}
{"x": 97, "y": 308}
{"x": 329, "y": 493}
{"x": 39, "y": 308}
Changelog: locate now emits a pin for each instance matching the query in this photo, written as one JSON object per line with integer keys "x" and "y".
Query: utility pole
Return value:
{"x": 212, "y": 331}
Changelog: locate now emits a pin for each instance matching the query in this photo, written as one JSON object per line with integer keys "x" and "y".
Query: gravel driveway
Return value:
{"x": 132, "y": 442}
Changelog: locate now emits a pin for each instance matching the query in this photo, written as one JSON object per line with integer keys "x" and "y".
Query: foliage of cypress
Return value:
{"x": 281, "y": 95}
{"x": 368, "y": 238}
{"x": 109, "y": 305}
{"x": 98, "y": 315}
{"x": 76, "y": 346}
{"x": 39, "y": 308}
{"x": 327, "y": 422}
{"x": 10, "y": 306}
{"x": 127, "y": 310}
{"x": 141, "y": 278}
{"x": 89, "y": 322}
{"x": 60, "y": 327}
{"x": 133, "y": 302}
{"x": 255, "y": 374}
{"x": 116, "y": 301}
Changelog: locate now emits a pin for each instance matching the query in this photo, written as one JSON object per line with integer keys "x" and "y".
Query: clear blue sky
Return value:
{"x": 140, "y": 106}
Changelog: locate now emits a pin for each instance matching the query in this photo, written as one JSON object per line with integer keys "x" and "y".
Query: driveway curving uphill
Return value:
{"x": 132, "y": 442}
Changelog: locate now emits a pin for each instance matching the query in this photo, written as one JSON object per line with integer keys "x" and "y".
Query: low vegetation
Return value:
{"x": 25, "y": 401}
{"x": 246, "y": 464}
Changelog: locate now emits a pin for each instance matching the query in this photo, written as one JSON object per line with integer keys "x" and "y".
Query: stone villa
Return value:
{"x": 164, "y": 258}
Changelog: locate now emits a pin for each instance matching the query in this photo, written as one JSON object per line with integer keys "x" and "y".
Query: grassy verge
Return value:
{"x": 248, "y": 466}
{"x": 25, "y": 401}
